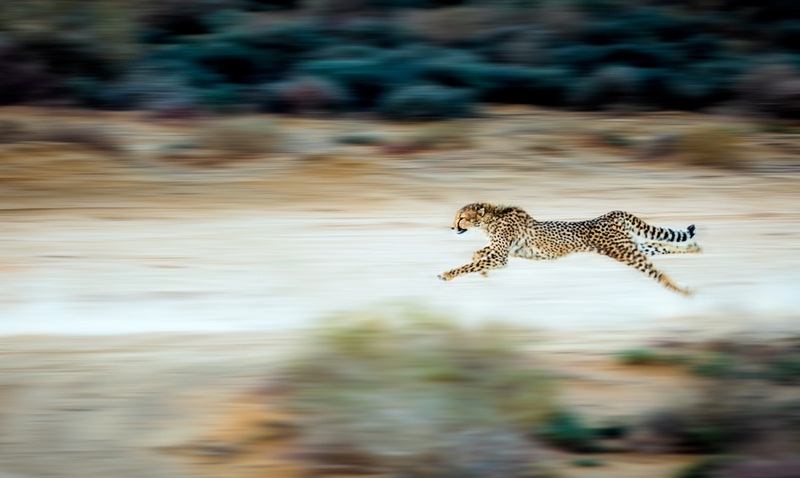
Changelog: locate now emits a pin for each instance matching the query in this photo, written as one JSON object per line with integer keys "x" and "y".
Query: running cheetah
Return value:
{"x": 617, "y": 234}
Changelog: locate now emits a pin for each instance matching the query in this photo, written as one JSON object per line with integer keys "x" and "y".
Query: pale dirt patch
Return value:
{"x": 97, "y": 250}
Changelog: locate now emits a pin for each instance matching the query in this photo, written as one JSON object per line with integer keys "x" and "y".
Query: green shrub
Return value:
{"x": 24, "y": 78}
{"x": 648, "y": 55}
{"x": 228, "y": 62}
{"x": 613, "y": 30}
{"x": 88, "y": 37}
{"x": 374, "y": 33}
{"x": 578, "y": 57}
{"x": 427, "y": 102}
{"x": 513, "y": 45}
{"x": 638, "y": 24}
{"x": 775, "y": 127}
{"x": 609, "y": 85}
{"x": 164, "y": 20}
{"x": 273, "y": 4}
{"x": 587, "y": 462}
{"x": 675, "y": 89}
{"x": 707, "y": 467}
{"x": 727, "y": 415}
{"x": 784, "y": 369}
{"x": 304, "y": 95}
{"x": 365, "y": 80}
{"x": 590, "y": 53}
{"x": 297, "y": 37}
{"x": 147, "y": 87}
{"x": 716, "y": 365}
{"x": 771, "y": 88}
{"x": 347, "y": 52}
{"x": 639, "y": 356}
{"x": 238, "y": 54}
{"x": 360, "y": 139}
{"x": 787, "y": 34}
{"x": 222, "y": 98}
{"x": 566, "y": 430}
{"x": 520, "y": 85}
{"x": 407, "y": 393}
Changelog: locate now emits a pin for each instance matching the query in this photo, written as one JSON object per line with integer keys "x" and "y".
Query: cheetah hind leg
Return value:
{"x": 636, "y": 259}
{"x": 654, "y": 248}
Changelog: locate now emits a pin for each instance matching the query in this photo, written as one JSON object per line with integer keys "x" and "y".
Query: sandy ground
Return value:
{"x": 142, "y": 297}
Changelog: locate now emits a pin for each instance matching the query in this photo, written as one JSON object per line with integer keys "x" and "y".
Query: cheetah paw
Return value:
{"x": 445, "y": 276}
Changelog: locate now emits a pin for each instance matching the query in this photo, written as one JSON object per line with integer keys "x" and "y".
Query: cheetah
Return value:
{"x": 617, "y": 234}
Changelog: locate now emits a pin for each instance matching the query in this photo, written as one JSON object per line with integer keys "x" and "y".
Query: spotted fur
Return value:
{"x": 617, "y": 234}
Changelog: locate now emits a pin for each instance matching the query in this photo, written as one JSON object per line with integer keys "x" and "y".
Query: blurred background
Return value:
{"x": 222, "y": 222}
{"x": 402, "y": 59}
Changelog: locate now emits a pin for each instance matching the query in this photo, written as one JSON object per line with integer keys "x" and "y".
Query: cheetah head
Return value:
{"x": 471, "y": 215}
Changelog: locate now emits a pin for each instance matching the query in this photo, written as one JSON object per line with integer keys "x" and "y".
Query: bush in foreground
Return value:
{"x": 747, "y": 403}
{"x": 733, "y": 467}
{"x": 409, "y": 394}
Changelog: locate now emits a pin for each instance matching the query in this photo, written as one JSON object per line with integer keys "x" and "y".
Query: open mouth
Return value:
{"x": 460, "y": 231}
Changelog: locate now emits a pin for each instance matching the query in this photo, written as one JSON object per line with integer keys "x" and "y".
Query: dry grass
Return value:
{"x": 406, "y": 393}
{"x": 435, "y": 136}
{"x": 712, "y": 147}
{"x": 240, "y": 137}
{"x": 90, "y": 135}
{"x": 12, "y": 131}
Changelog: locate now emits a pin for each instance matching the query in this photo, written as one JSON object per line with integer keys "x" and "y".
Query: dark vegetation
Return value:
{"x": 403, "y": 59}
{"x": 744, "y": 414}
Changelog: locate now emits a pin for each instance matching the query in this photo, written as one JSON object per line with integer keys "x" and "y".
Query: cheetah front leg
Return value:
{"x": 630, "y": 255}
{"x": 481, "y": 253}
{"x": 490, "y": 260}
